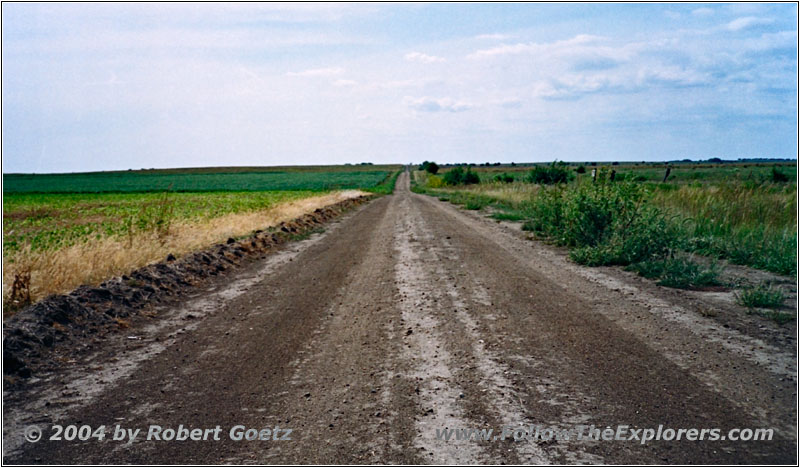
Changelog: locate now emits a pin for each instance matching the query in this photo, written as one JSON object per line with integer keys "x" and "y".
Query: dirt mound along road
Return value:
{"x": 404, "y": 317}
{"x": 30, "y": 334}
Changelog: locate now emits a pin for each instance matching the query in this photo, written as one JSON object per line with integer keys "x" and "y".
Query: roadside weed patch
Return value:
{"x": 603, "y": 223}
{"x": 763, "y": 295}
{"x": 678, "y": 272}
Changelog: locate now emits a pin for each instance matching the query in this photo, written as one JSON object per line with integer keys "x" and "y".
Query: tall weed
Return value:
{"x": 605, "y": 223}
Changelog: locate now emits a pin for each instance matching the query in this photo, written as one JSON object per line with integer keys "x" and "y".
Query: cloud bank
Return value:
{"x": 117, "y": 86}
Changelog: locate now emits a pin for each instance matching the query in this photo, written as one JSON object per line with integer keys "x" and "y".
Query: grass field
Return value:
{"x": 69, "y": 229}
{"x": 739, "y": 212}
{"x": 654, "y": 172}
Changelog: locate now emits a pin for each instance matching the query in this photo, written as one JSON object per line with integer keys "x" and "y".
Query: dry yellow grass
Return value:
{"x": 516, "y": 192}
{"x": 60, "y": 271}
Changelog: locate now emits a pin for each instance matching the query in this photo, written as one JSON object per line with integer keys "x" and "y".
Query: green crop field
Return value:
{"x": 158, "y": 181}
{"x": 49, "y": 211}
{"x": 69, "y": 229}
{"x": 52, "y": 221}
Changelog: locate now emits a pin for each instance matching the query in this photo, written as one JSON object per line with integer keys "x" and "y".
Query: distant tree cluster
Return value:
{"x": 729, "y": 161}
{"x": 429, "y": 166}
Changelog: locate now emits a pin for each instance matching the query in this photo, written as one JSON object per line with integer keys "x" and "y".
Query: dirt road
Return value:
{"x": 410, "y": 316}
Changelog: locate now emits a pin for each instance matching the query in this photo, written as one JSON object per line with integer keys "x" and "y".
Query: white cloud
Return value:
{"x": 429, "y": 104}
{"x": 672, "y": 75}
{"x": 747, "y": 22}
{"x": 423, "y": 58}
{"x": 630, "y": 79}
{"x": 504, "y": 49}
{"x": 581, "y": 40}
{"x": 574, "y": 86}
{"x": 703, "y": 11}
{"x": 318, "y": 72}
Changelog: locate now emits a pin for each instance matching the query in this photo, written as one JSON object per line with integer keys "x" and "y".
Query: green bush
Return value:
{"x": 556, "y": 173}
{"x": 604, "y": 223}
{"x": 778, "y": 176}
{"x": 470, "y": 177}
{"x": 453, "y": 176}
{"x": 458, "y": 176}
{"x": 546, "y": 213}
{"x": 504, "y": 177}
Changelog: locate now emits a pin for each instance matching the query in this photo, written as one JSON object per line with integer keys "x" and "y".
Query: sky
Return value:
{"x": 112, "y": 86}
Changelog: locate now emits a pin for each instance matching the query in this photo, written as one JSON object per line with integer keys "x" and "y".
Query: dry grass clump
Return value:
{"x": 91, "y": 262}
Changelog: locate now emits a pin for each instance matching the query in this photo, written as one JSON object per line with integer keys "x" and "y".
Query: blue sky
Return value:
{"x": 115, "y": 86}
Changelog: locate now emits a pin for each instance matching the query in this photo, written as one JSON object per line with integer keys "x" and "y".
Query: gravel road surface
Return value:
{"x": 405, "y": 317}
